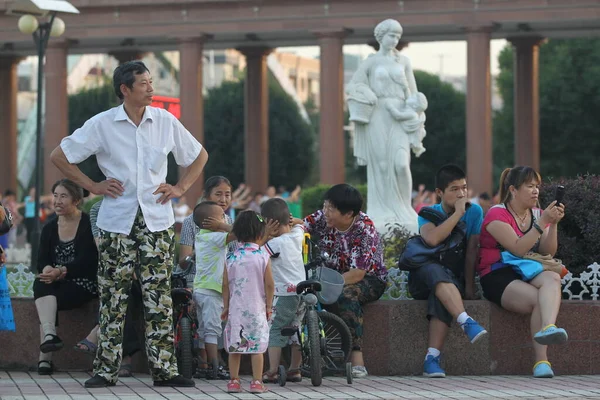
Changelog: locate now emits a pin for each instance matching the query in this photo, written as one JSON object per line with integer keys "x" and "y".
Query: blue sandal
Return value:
{"x": 551, "y": 335}
{"x": 543, "y": 369}
{"x": 86, "y": 347}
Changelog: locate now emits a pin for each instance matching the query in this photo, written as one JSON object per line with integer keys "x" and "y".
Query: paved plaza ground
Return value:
{"x": 30, "y": 386}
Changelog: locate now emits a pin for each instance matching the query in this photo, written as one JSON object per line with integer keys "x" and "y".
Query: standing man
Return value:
{"x": 131, "y": 143}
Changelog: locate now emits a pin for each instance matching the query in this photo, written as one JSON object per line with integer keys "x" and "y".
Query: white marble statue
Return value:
{"x": 389, "y": 117}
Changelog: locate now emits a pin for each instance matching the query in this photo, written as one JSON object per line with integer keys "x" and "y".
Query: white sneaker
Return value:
{"x": 358, "y": 371}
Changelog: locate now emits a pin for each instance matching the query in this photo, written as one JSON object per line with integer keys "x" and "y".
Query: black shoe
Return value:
{"x": 201, "y": 373}
{"x": 221, "y": 374}
{"x": 176, "y": 381}
{"x": 50, "y": 345}
{"x": 98, "y": 381}
{"x": 45, "y": 368}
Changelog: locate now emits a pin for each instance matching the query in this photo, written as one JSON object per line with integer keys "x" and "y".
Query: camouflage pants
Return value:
{"x": 350, "y": 305}
{"x": 151, "y": 254}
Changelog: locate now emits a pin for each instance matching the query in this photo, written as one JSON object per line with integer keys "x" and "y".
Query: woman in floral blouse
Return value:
{"x": 355, "y": 250}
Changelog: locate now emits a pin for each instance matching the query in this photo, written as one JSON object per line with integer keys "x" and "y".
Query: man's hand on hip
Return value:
{"x": 168, "y": 192}
{"x": 110, "y": 187}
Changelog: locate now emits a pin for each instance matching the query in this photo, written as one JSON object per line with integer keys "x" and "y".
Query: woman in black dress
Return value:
{"x": 67, "y": 265}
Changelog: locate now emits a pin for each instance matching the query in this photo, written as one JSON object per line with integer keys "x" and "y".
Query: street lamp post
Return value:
{"x": 41, "y": 31}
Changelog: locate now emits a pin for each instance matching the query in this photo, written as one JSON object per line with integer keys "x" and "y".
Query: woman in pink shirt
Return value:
{"x": 518, "y": 226}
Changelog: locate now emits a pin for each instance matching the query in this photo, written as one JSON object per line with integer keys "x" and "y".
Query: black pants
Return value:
{"x": 421, "y": 285}
{"x": 69, "y": 295}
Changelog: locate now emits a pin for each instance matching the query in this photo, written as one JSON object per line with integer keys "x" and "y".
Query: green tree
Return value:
{"x": 355, "y": 174}
{"x": 291, "y": 139}
{"x": 503, "y": 119}
{"x": 569, "y": 102}
{"x": 84, "y": 105}
{"x": 445, "y": 141}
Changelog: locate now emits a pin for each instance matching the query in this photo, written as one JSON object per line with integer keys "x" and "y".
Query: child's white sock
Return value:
{"x": 432, "y": 352}
{"x": 462, "y": 318}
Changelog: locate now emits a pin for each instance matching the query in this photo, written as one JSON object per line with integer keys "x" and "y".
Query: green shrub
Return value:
{"x": 394, "y": 242}
{"x": 578, "y": 232}
{"x": 312, "y": 198}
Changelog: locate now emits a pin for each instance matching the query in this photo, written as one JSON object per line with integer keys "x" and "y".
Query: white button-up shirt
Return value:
{"x": 137, "y": 157}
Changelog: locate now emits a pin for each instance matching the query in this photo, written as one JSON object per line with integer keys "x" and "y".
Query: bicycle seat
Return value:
{"x": 180, "y": 295}
{"x": 289, "y": 331}
{"x": 315, "y": 286}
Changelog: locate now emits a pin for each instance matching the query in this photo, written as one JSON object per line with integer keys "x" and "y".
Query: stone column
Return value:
{"x": 192, "y": 100}
{"x": 479, "y": 110}
{"x": 256, "y": 118}
{"x": 56, "y": 118}
{"x": 122, "y": 56}
{"x": 527, "y": 101}
{"x": 8, "y": 122}
{"x": 332, "y": 155}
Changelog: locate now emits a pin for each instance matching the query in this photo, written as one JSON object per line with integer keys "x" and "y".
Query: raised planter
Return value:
{"x": 395, "y": 340}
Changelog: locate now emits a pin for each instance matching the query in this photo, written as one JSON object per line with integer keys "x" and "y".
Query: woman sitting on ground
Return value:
{"x": 516, "y": 225}
{"x": 67, "y": 264}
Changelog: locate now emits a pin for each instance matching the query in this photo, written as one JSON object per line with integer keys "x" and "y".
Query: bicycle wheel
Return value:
{"x": 349, "y": 373}
{"x": 185, "y": 357}
{"x": 281, "y": 375}
{"x": 314, "y": 348}
{"x": 338, "y": 342}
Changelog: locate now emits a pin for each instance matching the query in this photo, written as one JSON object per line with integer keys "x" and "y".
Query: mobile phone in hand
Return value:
{"x": 559, "y": 194}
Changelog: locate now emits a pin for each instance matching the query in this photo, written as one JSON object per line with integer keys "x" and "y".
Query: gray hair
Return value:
{"x": 386, "y": 26}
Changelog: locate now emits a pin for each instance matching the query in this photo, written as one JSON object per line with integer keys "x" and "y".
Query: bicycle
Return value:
{"x": 185, "y": 326}
{"x": 325, "y": 340}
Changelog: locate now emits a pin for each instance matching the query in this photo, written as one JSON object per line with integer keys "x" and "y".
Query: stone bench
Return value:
{"x": 20, "y": 350}
{"x": 395, "y": 340}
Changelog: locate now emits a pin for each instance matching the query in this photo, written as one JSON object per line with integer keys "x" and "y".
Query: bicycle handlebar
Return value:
{"x": 189, "y": 263}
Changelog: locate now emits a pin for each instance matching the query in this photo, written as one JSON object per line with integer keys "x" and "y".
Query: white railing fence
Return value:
{"x": 582, "y": 287}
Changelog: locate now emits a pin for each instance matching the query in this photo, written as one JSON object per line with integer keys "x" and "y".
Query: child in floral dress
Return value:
{"x": 248, "y": 290}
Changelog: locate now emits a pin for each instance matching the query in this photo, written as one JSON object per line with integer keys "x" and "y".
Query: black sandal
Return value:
{"x": 45, "y": 370}
{"x": 50, "y": 345}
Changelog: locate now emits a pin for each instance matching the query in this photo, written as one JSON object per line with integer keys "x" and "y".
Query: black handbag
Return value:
{"x": 7, "y": 222}
{"x": 418, "y": 253}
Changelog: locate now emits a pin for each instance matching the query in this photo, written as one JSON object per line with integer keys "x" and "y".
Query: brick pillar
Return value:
{"x": 527, "y": 101}
{"x": 332, "y": 155}
{"x": 256, "y": 118}
{"x": 56, "y": 118}
{"x": 192, "y": 100}
{"x": 479, "y": 110}
{"x": 8, "y": 122}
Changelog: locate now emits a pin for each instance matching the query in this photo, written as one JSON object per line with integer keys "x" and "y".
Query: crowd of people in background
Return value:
{"x": 426, "y": 198}
{"x": 23, "y": 211}
{"x": 242, "y": 198}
